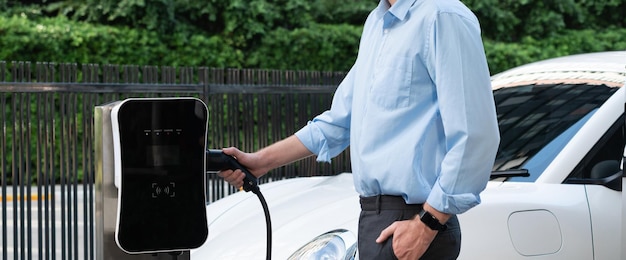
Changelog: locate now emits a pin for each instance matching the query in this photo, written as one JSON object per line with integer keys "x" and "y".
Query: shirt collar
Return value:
{"x": 400, "y": 9}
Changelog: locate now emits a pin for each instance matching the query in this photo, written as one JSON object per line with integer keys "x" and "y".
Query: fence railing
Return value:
{"x": 46, "y": 140}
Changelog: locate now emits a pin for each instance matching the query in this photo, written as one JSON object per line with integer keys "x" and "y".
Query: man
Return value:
{"x": 418, "y": 113}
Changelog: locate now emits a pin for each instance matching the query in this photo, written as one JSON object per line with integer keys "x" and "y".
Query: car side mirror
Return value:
{"x": 605, "y": 173}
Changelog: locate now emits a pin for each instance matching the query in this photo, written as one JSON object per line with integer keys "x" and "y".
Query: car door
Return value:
{"x": 600, "y": 173}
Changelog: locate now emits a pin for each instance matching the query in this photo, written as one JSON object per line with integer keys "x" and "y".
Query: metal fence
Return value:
{"x": 46, "y": 141}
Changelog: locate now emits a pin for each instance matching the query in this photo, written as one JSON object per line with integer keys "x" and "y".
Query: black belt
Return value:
{"x": 386, "y": 202}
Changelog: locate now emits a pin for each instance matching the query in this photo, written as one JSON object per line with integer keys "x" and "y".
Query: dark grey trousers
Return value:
{"x": 377, "y": 213}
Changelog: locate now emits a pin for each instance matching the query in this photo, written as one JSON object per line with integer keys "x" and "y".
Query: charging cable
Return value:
{"x": 217, "y": 160}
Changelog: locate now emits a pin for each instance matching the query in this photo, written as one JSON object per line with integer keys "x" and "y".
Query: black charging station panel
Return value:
{"x": 161, "y": 149}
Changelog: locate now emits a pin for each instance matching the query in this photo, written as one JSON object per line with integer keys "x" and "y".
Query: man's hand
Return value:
{"x": 411, "y": 237}
{"x": 248, "y": 160}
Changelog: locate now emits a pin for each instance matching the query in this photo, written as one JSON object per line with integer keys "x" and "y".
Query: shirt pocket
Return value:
{"x": 391, "y": 86}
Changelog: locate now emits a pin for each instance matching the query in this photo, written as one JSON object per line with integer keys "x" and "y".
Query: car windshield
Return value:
{"x": 536, "y": 121}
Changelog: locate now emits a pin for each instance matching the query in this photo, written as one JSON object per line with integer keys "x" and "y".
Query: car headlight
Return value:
{"x": 334, "y": 245}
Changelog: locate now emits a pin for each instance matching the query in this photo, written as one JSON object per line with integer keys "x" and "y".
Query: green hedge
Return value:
{"x": 61, "y": 40}
{"x": 316, "y": 47}
{"x": 502, "y": 56}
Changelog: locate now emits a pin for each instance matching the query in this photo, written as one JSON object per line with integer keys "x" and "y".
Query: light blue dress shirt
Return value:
{"x": 416, "y": 108}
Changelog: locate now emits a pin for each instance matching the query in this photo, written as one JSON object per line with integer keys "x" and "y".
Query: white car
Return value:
{"x": 555, "y": 192}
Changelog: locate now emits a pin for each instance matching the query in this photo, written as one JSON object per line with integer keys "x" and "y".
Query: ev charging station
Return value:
{"x": 151, "y": 165}
{"x": 150, "y": 178}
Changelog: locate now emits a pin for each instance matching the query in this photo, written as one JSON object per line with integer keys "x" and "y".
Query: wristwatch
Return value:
{"x": 431, "y": 221}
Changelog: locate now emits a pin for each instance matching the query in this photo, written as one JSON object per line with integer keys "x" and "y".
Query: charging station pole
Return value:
{"x": 106, "y": 195}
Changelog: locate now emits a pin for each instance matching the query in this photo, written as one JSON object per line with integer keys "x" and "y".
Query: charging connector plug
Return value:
{"x": 217, "y": 160}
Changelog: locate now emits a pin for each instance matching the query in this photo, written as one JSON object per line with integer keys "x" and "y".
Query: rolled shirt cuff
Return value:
{"x": 306, "y": 136}
{"x": 451, "y": 203}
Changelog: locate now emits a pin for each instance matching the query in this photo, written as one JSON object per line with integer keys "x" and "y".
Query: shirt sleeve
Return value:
{"x": 459, "y": 69}
{"x": 328, "y": 134}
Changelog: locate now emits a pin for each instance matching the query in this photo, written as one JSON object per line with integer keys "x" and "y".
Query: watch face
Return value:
{"x": 431, "y": 221}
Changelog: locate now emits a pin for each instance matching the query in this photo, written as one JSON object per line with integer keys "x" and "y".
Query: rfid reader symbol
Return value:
{"x": 166, "y": 190}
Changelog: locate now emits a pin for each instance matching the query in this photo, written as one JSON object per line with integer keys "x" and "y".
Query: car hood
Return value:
{"x": 236, "y": 233}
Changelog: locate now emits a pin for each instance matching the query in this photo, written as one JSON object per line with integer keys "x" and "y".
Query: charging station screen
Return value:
{"x": 162, "y": 202}
{"x": 162, "y": 155}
